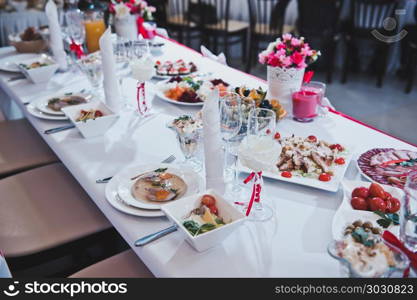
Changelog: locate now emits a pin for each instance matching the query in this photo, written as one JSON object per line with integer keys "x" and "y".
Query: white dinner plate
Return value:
{"x": 160, "y": 94}
{"x": 330, "y": 186}
{"x": 9, "y": 63}
{"x": 37, "y": 113}
{"x": 345, "y": 214}
{"x": 42, "y": 104}
{"x": 115, "y": 201}
{"x": 126, "y": 183}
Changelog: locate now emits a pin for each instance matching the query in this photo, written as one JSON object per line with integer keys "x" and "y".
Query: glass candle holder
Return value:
{"x": 304, "y": 106}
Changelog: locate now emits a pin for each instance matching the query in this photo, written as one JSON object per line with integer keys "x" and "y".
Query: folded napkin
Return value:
{"x": 4, "y": 269}
{"x": 110, "y": 81}
{"x": 221, "y": 58}
{"x": 56, "y": 42}
{"x": 213, "y": 152}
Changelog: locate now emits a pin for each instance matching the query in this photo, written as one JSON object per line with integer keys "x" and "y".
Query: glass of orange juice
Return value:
{"x": 94, "y": 28}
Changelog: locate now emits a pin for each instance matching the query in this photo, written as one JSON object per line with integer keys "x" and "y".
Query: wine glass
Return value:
{"x": 230, "y": 125}
{"x": 258, "y": 152}
{"x": 91, "y": 66}
{"x": 190, "y": 143}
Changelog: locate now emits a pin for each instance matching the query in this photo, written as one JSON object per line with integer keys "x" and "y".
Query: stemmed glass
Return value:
{"x": 254, "y": 152}
{"x": 230, "y": 125}
{"x": 91, "y": 66}
{"x": 190, "y": 142}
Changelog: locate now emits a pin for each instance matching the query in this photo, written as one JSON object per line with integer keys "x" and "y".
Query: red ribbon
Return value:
{"x": 141, "y": 99}
{"x": 77, "y": 49}
{"x": 393, "y": 240}
{"x": 256, "y": 189}
{"x": 141, "y": 28}
{"x": 308, "y": 76}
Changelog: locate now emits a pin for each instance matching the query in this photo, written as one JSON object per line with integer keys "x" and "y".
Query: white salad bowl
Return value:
{"x": 177, "y": 210}
{"x": 39, "y": 74}
{"x": 91, "y": 128}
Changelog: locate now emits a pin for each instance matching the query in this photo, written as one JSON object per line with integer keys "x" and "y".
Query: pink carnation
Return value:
{"x": 287, "y": 36}
{"x": 295, "y": 42}
{"x": 297, "y": 58}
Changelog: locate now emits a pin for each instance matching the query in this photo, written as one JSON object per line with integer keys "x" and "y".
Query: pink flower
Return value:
{"x": 295, "y": 42}
{"x": 262, "y": 58}
{"x": 285, "y": 61}
{"x": 287, "y": 36}
{"x": 273, "y": 60}
{"x": 280, "y": 52}
{"x": 302, "y": 65}
{"x": 280, "y": 46}
{"x": 297, "y": 58}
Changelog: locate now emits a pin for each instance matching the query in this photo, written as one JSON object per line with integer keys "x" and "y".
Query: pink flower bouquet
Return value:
{"x": 123, "y": 8}
{"x": 288, "y": 52}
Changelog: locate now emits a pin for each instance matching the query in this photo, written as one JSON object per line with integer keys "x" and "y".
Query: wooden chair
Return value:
{"x": 22, "y": 148}
{"x": 367, "y": 19}
{"x": 215, "y": 24}
{"x": 123, "y": 265}
{"x": 266, "y": 24}
{"x": 319, "y": 23}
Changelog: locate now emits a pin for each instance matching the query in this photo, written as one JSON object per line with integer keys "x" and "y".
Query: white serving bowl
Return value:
{"x": 40, "y": 74}
{"x": 91, "y": 128}
{"x": 176, "y": 210}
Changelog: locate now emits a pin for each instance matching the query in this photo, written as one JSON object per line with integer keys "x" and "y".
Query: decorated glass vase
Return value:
{"x": 282, "y": 82}
{"x": 126, "y": 27}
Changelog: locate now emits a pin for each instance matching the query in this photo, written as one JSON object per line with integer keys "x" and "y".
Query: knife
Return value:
{"x": 154, "y": 236}
{"x": 58, "y": 129}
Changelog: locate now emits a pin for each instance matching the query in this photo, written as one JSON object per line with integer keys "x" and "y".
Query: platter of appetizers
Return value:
{"x": 168, "y": 68}
{"x": 307, "y": 161}
{"x": 387, "y": 165}
{"x": 189, "y": 90}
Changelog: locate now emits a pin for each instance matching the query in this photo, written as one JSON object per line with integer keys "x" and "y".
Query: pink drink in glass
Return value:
{"x": 304, "y": 105}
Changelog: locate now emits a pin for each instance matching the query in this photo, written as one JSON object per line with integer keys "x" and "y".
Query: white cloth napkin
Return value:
{"x": 213, "y": 152}
{"x": 56, "y": 42}
{"x": 221, "y": 58}
{"x": 110, "y": 82}
{"x": 4, "y": 269}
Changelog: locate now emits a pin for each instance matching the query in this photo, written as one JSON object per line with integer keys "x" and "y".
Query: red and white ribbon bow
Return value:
{"x": 256, "y": 189}
{"x": 77, "y": 49}
{"x": 141, "y": 98}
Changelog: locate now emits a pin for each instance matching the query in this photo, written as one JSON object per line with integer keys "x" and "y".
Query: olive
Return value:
{"x": 265, "y": 104}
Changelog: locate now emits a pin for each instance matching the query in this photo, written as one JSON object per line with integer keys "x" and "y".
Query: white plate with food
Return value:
{"x": 11, "y": 63}
{"x": 41, "y": 115}
{"x": 307, "y": 161}
{"x": 189, "y": 90}
{"x": 153, "y": 185}
{"x": 115, "y": 201}
{"x": 167, "y": 69}
{"x": 360, "y": 202}
{"x": 53, "y": 105}
{"x": 387, "y": 165}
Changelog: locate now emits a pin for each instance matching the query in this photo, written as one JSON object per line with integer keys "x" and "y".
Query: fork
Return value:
{"x": 167, "y": 160}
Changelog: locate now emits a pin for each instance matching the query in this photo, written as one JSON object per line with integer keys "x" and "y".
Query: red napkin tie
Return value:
{"x": 77, "y": 49}
{"x": 308, "y": 76}
{"x": 256, "y": 189}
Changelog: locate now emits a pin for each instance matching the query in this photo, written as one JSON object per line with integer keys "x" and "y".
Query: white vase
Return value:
{"x": 282, "y": 82}
{"x": 126, "y": 27}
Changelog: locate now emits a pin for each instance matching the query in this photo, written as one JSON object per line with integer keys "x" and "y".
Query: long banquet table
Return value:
{"x": 292, "y": 244}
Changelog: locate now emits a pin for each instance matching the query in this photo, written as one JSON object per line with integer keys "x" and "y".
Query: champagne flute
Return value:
{"x": 230, "y": 125}
{"x": 256, "y": 148}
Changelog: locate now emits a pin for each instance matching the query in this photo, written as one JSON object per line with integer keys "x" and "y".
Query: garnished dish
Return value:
{"x": 190, "y": 90}
{"x": 158, "y": 186}
{"x": 34, "y": 65}
{"x": 204, "y": 218}
{"x": 309, "y": 157}
{"x": 387, "y": 165}
{"x": 186, "y": 123}
{"x": 363, "y": 248}
{"x": 90, "y": 114}
{"x": 259, "y": 96}
{"x": 57, "y": 103}
{"x": 179, "y": 67}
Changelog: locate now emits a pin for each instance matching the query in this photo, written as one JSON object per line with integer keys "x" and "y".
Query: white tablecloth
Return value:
{"x": 13, "y": 22}
{"x": 292, "y": 244}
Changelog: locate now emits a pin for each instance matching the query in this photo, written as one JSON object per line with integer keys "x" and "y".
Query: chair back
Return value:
{"x": 267, "y": 16}
{"x": 370, "y": 14}
{"x": 318, "y": 17}
{"x": 178, "y": 10}
{"x": 215, "y": 13}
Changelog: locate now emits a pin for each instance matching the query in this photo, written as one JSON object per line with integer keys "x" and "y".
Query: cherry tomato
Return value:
{"x": 389, "y": 206}
{"x": 375, "y": 190}
{"x": 98, "y": 113}
{"x": 277, "y": 136}
{"x": 359, "y": 203}
{"x": 338, "y": 147}
{"x": 325, "y": 177}
{"x": 395, "y": 205}
{"x": 387, "y": 196}
{"x": 268, "y": 131}
{"x": 377, "y": 204}
{"x": 213, "y": 209}
{"x": 361, "y": 192}
{"x": 340, "y": 161}
{"x": 208, "y": 200}
{"x": 286, "y": 174}
{"x": 312, "y": 138}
